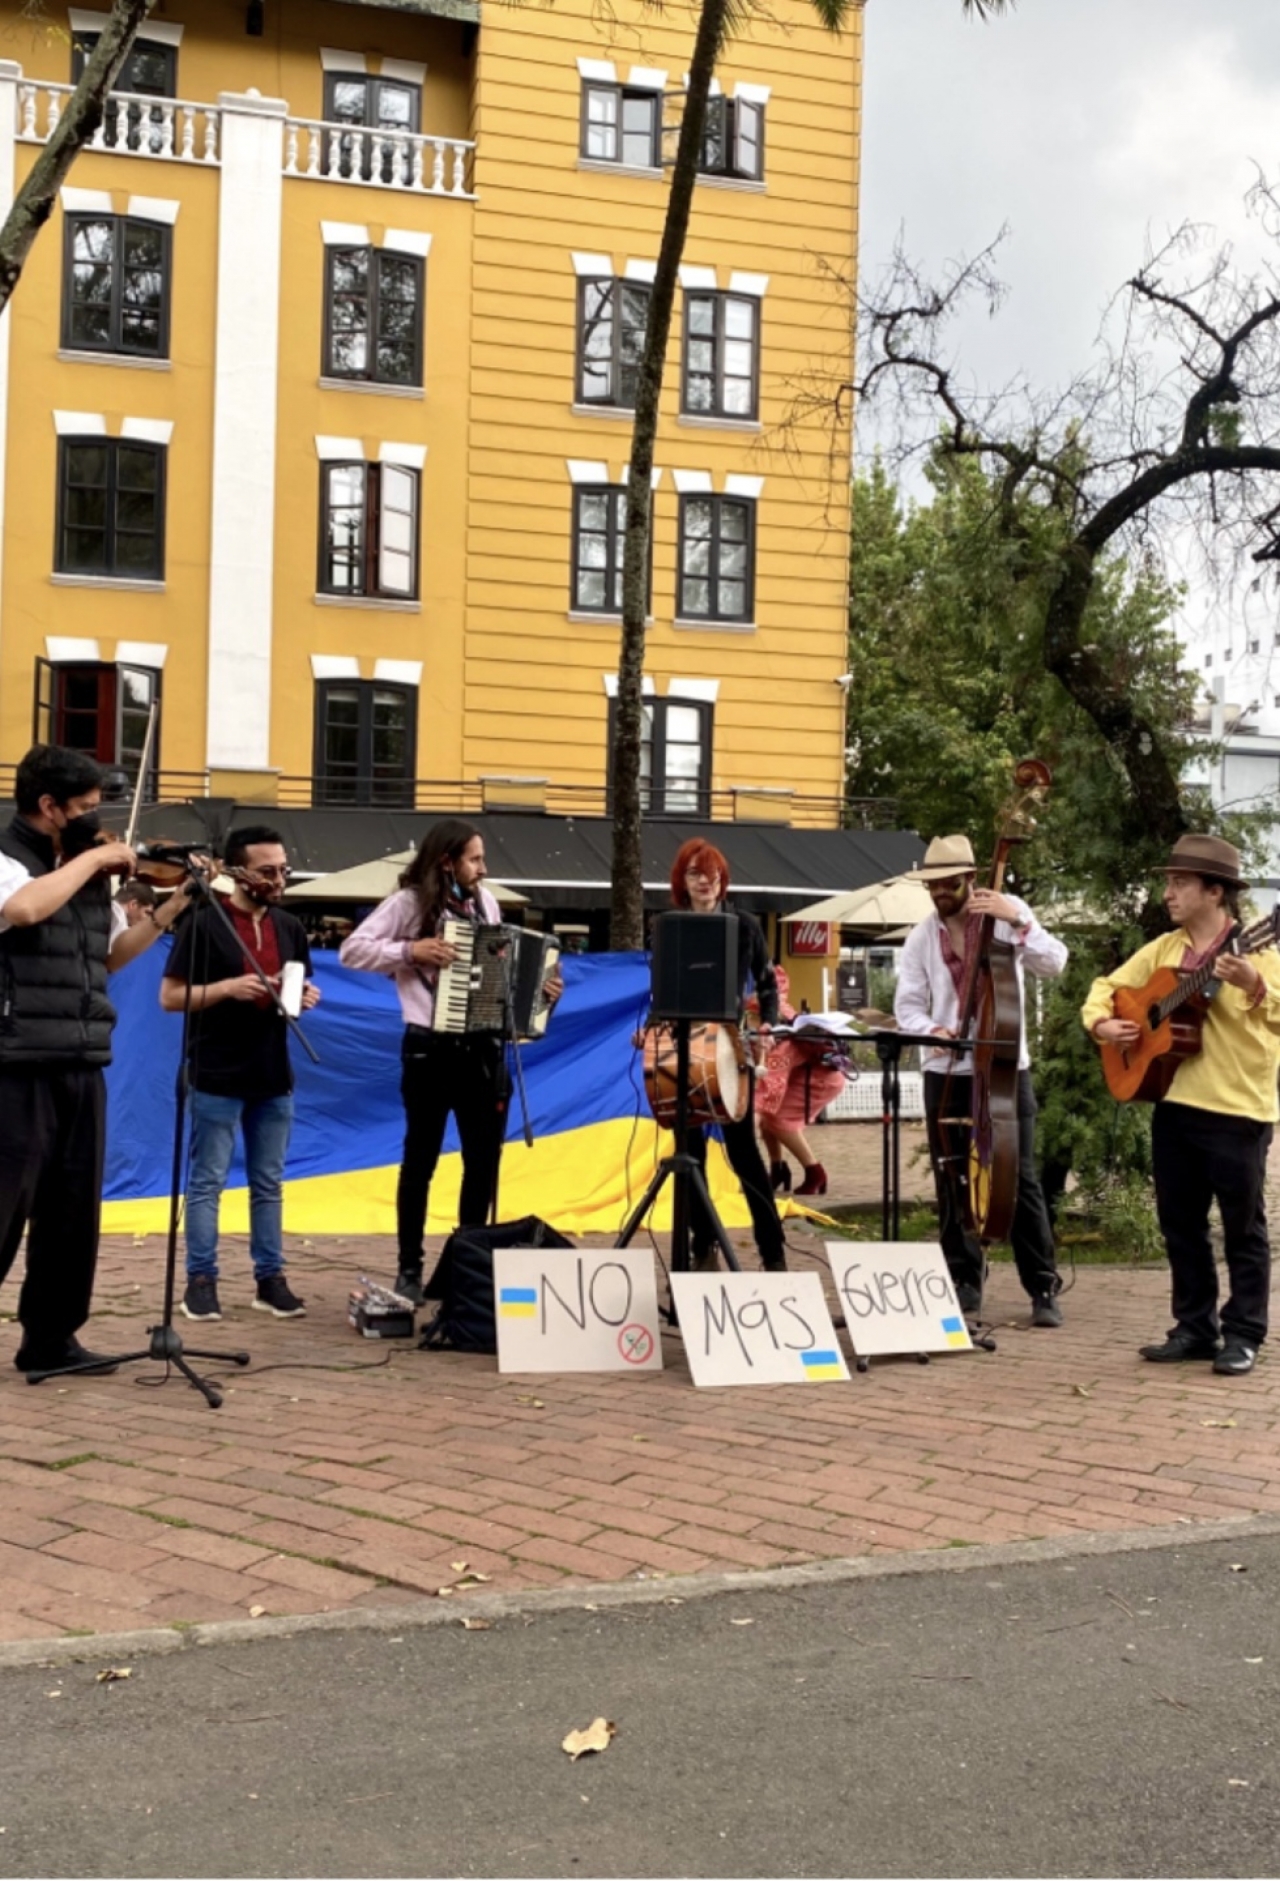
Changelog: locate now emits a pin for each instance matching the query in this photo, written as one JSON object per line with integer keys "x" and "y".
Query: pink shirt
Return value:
{"x": 383, "y": 944}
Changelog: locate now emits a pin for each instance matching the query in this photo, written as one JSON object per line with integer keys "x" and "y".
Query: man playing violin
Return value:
{"x": 930, "y": 976}
{"x": 60, "y": 937}
{"x": 238, "y": 1065}
{"x": 1211, "y": 1132}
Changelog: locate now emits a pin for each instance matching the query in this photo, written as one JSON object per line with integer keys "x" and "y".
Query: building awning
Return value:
{"x": 468, "y": 10}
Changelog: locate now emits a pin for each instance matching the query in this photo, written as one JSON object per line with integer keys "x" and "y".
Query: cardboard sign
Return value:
{"x": 576, "y": 1310}
{"x": 757, "y": 1329}
{"x": 897, "y": 1297}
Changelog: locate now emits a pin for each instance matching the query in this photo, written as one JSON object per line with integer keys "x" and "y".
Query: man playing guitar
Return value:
{"x": 1211, "y": 1132}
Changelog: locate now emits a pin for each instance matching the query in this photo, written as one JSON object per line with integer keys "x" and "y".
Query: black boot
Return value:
{"x": 780, "y": 1176}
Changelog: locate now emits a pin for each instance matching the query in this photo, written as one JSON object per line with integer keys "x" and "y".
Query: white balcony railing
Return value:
{"x": 348, "y": 153}
{"x": 131, "y": 126}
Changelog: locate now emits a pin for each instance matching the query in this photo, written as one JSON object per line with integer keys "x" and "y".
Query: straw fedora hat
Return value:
{"x": 946, "y": 855}
{"x": 1205, "y": 855}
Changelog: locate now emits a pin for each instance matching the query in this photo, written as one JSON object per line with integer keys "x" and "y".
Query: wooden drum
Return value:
{"x": 719, "y": 1074}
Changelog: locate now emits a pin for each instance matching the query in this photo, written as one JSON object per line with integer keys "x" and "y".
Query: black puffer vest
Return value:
{"x": 53, "y": 976}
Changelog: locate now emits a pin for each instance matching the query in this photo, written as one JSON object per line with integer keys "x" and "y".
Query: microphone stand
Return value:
{"x": 166, "y": 1345}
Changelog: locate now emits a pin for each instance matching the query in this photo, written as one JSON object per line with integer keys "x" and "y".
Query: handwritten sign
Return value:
{"x": 757, "y": 1329}
{"x": 579, "y": 1310}
{"x": 897, "y": 1296}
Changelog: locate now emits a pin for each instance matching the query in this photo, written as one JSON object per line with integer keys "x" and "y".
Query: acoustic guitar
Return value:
{"x": 1171, "y": 1010}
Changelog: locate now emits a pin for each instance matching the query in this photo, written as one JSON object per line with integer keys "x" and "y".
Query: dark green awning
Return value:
{"x": 468, "y": 10}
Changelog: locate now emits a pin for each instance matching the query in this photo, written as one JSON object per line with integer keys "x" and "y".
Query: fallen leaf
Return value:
{"x": 598, "y": 1735}
{"x": 256, "y": 1613}
{"x": 636, "y": 1439}
{"x": 1238, "y": 1567}
{"x": 459, "y": 1567}
{"x": 742, "y": 1622}
{"x": 1237, "y": 1783}
{"x": 442, "y": 1593}
{"x": 1253, "y": 1662}
{"x": 1081, "y": 1392}
{"x": 1218, "y": 1423}
{"x": 476, "y": 1626}
{"x": 53, "y": 1694}
{"x": 535, "y": 1403}
{"x": 110, "y": 1673}
{"x": 473, "y": 1579}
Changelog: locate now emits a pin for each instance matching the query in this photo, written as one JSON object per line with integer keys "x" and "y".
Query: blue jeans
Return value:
{"x": 266, "y": 1127}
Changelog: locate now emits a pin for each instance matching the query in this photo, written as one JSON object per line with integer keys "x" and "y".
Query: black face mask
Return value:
{"x": 79, "y": 833}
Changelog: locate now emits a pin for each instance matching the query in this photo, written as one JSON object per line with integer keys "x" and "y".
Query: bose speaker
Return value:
{"x": 695, "y": 967}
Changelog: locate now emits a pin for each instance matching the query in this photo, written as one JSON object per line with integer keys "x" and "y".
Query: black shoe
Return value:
{"x": 200, "y": 1301}
{"x": 704, "y": 1260}
{"x": 969, "y": 1299}
{"x": 780, "y": 1176}
{"x": 409, "y": 1285}
{"x": 1180, "y": 1345}
{"x": 274, "y": 1296}
{"x": 1045, "y": 1310}
{"x": 29, "y": 1358}
{"x": 1235, "y": 1357}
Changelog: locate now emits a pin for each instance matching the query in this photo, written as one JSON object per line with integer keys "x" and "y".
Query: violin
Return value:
{"x": 991, "y": 1013}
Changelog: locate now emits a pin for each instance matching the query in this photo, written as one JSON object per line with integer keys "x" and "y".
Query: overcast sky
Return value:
{"x": 1085, "y": 125}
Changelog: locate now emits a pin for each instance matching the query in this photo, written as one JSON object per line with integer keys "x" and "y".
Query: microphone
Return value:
{"x": 169, "y": 852}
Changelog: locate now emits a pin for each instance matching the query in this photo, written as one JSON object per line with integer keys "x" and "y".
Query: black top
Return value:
{"x": 754, "y": 965}
{"x": 54, "y": 1008}
{"x": 238, "y": 1048}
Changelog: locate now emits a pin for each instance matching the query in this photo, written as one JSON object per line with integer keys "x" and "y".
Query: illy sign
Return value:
{"x": 810, "y": 939}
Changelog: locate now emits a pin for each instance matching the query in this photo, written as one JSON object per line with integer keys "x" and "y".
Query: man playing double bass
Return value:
{"x": 1211, "y": 1131}
{"x": 930, "y": 977}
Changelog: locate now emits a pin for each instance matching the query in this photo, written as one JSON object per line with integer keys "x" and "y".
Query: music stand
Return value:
{"x": 507, "y": 1040}
{"x": 686, "y": 1173}
{"x": 166, "y": 1346}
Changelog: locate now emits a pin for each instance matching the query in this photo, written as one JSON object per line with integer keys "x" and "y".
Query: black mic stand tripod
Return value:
{"x": 166, "y": 1346}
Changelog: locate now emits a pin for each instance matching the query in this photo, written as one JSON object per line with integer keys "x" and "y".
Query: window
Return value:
{"x": 1255, "y": 646}
{"x": 717, "y": 557}
{"x": 733, "y": 139}
{"x": 110, "y": 508}
{"x": 599, "y": 529}
{"x": 622, "y": 126}
{"x": 721, "y": 355}
{"x": 369, "y": 531}
{"x": 387, "y": 106}
{"x": 365, "y": 743}
{"x": 612, "y": 317}
{"x": 149, "y": 71}
{"x": 116, "y": 278}
{"x": 99, "y": 709}
{"x": 373, "y": 316}
{"x": 675, "y": 757}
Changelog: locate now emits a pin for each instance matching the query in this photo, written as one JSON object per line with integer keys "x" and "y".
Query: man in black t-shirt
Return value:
{"x": 238, "y": 1065}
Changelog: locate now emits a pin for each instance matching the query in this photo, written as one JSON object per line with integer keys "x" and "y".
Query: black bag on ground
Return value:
{"x": 463, "y": 1281}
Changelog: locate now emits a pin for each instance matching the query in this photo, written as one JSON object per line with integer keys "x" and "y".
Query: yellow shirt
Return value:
{"x": 1236, "y": 1067}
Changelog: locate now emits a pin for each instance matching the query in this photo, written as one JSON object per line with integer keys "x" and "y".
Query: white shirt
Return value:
{"x": 926, "y": 996}
{"x": 384, "y": 944}
{"x": 13, "y": 877}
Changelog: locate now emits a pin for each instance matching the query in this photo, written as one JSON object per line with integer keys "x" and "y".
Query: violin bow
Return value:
{"x": 143, "y": 766}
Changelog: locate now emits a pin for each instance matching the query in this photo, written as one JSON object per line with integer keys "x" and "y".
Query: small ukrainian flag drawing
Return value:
{"x": 822, "y": 1365}
{"x": 518, "y": 1303}
{"x": 954, "y": 1329}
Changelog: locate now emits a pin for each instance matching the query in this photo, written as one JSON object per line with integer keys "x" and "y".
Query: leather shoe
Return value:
{"x": 409, "y": 1285}
{"x": 1235, "y": 1357}
{"x": 1180, "y": 1345}
{"x": 61, "y": 1358}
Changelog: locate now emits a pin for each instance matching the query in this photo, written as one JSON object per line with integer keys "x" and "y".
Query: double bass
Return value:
{"x": 991, "y": 1014}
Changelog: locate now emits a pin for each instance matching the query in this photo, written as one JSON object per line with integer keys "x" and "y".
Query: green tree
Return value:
{"x": 718, "y": 21}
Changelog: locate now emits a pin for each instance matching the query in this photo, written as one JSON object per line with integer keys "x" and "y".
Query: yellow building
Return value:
{"x": 315, "y": 393}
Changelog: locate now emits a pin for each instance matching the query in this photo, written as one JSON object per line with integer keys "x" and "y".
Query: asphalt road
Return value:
{"x": 1104, "y": 1716}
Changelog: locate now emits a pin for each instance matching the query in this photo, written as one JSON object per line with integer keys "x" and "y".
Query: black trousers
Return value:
{"x": 743, "y": 1151}
{"x": 1031, "y": 1235}
{"x": 52, "y": 1135}
{"x": 1200, "y": 1157}
{"x": 439, "y": 1073}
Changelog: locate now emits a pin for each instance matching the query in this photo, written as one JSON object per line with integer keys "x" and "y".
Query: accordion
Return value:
{"x": 496, "y": 981}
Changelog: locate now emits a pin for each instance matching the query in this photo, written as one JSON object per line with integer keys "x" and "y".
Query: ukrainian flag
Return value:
{"x": 596, "y": 1145}
{"x": 518, "y": 1303}
{"x": 955, "y": 1330}
{"x": 822, "y": 1365}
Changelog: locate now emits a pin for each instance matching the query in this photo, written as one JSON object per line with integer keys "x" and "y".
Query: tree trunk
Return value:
{"x": 33, "y": 204}
{"x": 627, "y": 912}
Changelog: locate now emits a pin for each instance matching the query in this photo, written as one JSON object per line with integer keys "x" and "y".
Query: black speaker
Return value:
{"x": 695, "y": 966}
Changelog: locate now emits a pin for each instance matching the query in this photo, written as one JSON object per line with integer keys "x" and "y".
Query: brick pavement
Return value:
{"x": 339, "y": 1474}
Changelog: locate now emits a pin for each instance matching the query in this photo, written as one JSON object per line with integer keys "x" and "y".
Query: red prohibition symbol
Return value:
{"x": 635, "y": 1343}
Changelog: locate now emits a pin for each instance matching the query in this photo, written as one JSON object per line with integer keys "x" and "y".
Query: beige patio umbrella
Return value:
{"x": 375, "y": 880}
{"x": 895, "y": 903}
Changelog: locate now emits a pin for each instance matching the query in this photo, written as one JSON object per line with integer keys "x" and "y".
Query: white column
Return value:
{"x": 244, "y": 432}
{"x": 10, "y": 73}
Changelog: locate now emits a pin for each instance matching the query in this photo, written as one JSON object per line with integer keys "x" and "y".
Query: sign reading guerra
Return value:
{"x": 576, "y": 1310}
{"x": 897, "y": 1297}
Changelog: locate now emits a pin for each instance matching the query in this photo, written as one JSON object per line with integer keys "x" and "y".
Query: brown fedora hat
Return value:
{"x": 945, "y": 856}
{"x": 1206, "y": 855}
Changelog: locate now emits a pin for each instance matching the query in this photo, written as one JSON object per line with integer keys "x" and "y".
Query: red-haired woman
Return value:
{"x": 700, "y": 881}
